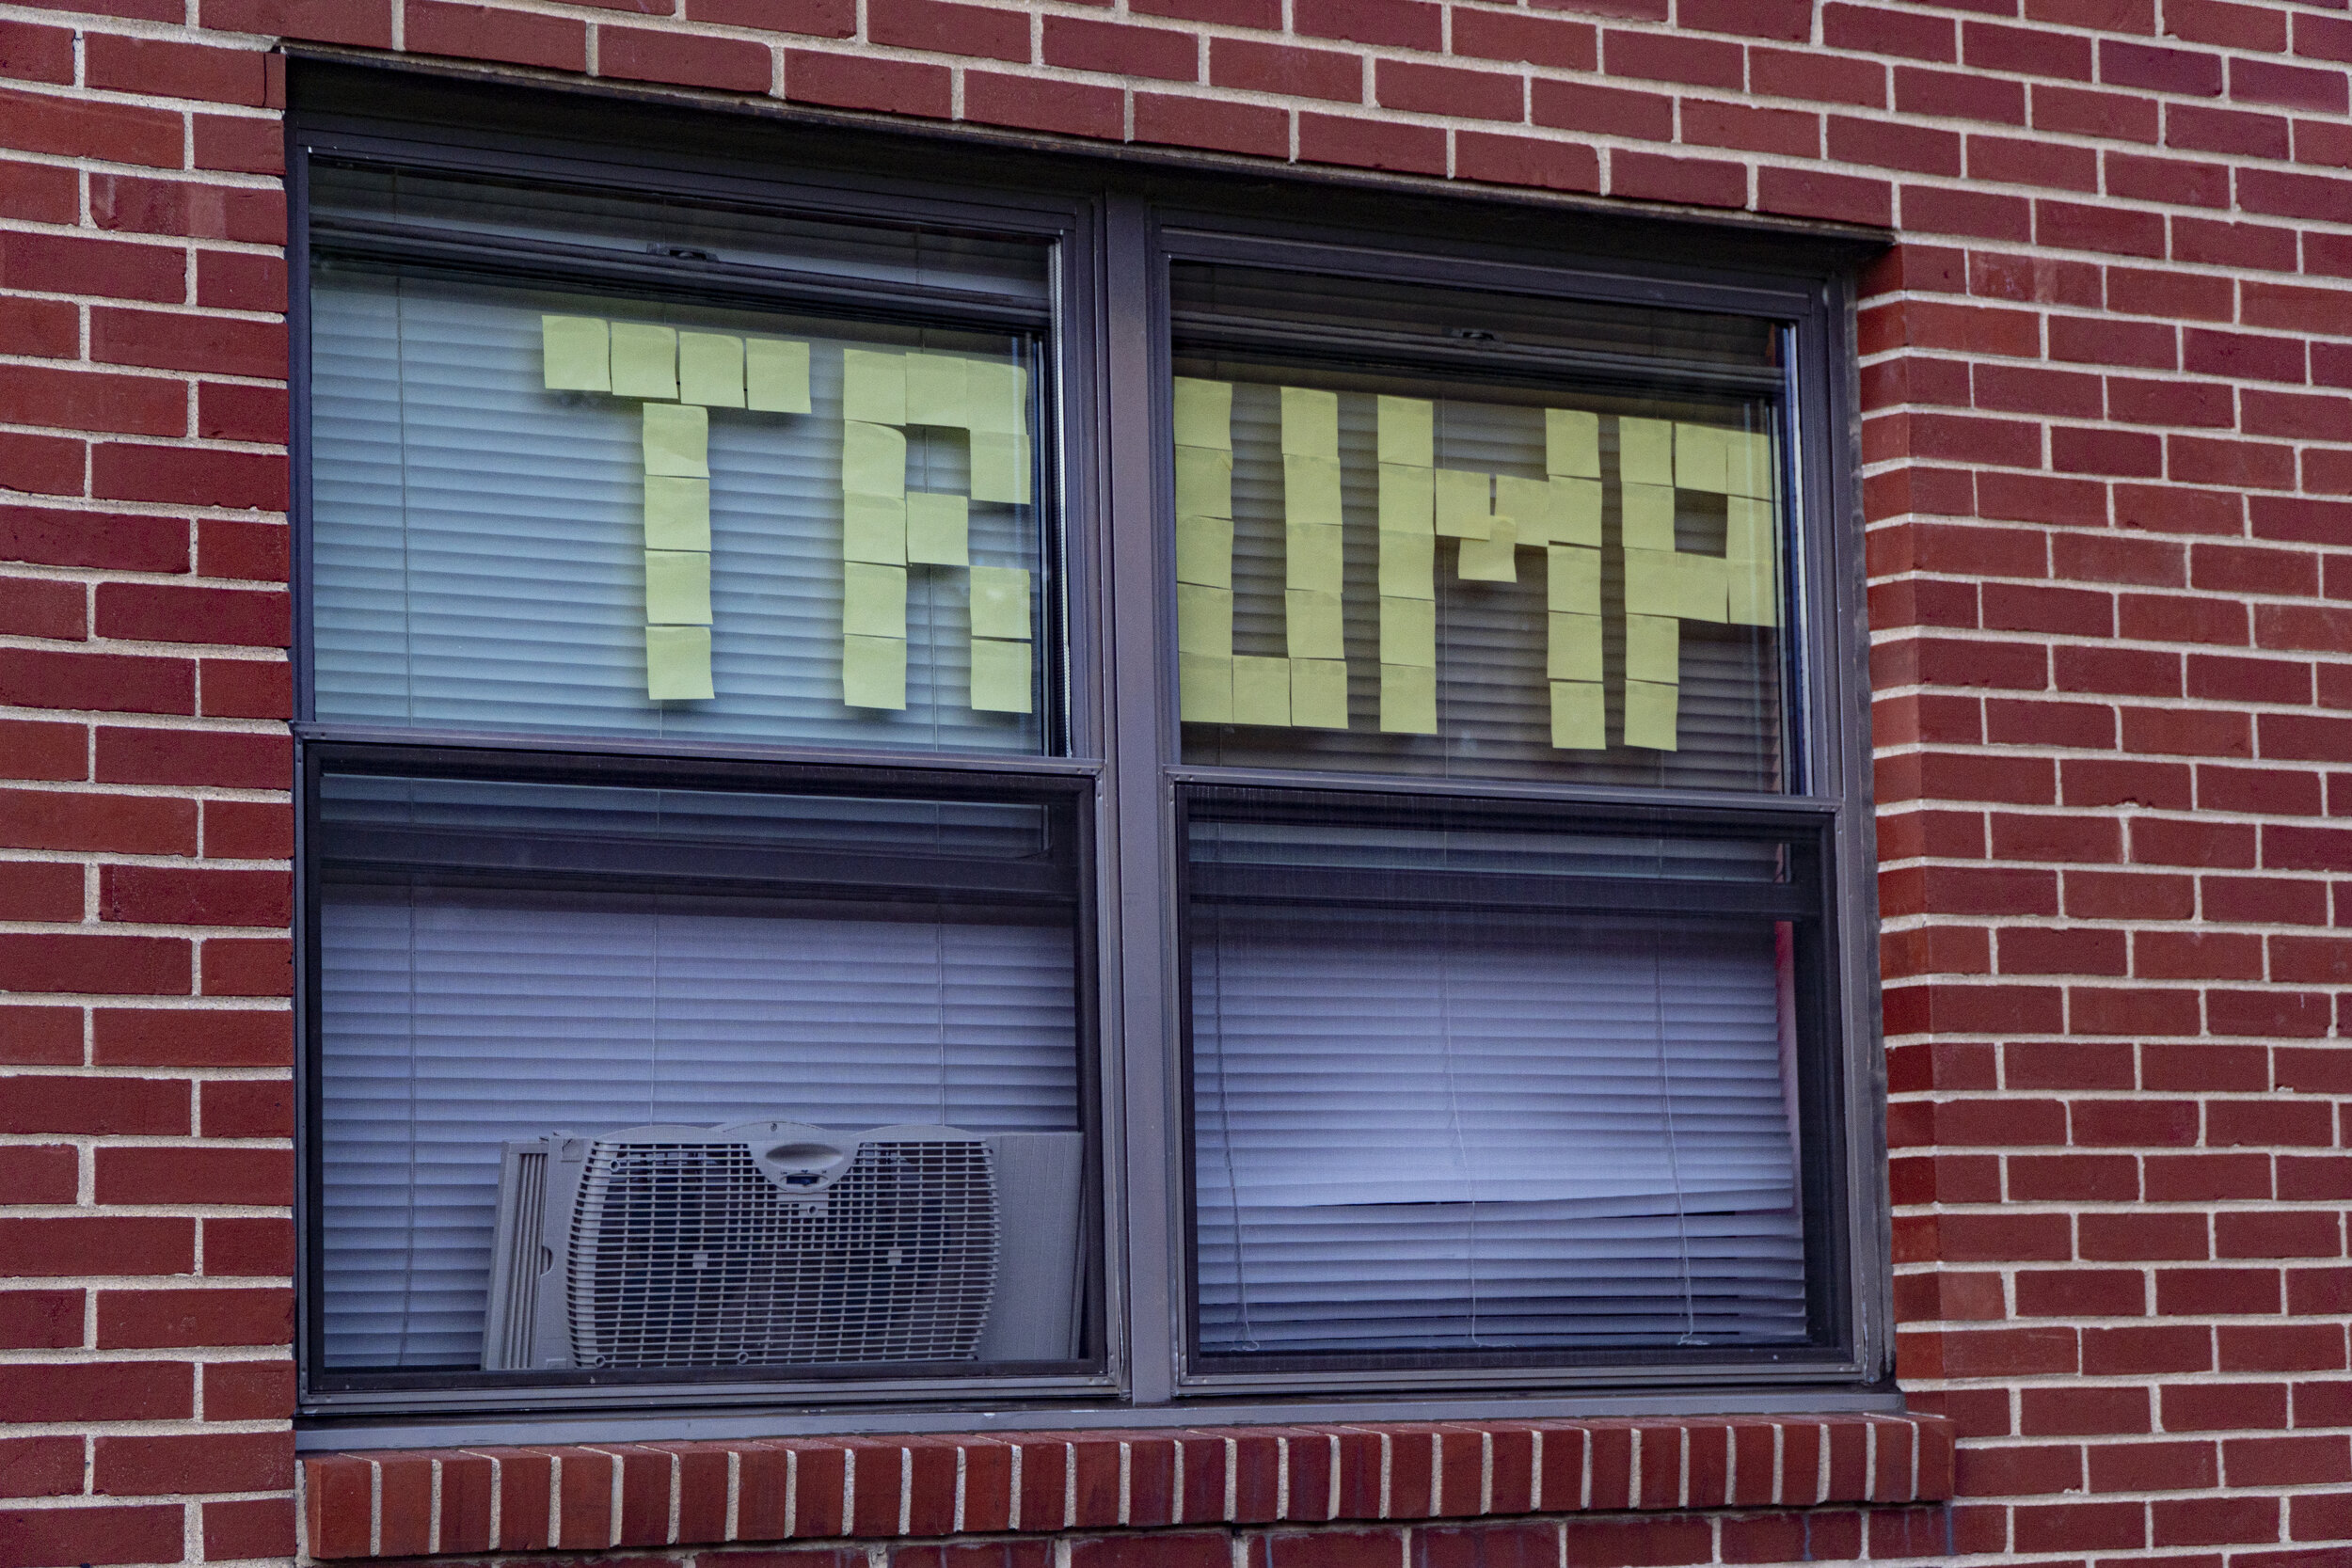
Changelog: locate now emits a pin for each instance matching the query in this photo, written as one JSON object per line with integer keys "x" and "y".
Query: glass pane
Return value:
{"x": 1435, "y": 533}
{"x": 548, "y": 510}
{"x": 1469, "y": 1105}
{"x": 781, "y": 1080}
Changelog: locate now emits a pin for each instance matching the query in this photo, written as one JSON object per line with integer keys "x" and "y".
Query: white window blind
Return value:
{"x": 494, "y": 965}
{"x": 1419, "y": 1129}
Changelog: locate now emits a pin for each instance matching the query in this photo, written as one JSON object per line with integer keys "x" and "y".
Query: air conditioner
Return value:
{"x": 766, "y": 1243}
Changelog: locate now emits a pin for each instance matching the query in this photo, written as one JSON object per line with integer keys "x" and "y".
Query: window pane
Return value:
{"x": 1475, "y": 537}
{"x": 549, "y": 510}
{"x": 510, "y": 962}
{"x": 1449, "y": 1098}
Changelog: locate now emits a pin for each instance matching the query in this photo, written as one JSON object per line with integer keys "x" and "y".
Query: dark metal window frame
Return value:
{"x": 1117, "y": 228}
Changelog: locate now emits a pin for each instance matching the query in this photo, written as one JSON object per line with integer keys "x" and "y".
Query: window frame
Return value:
{"x": 1117, "y": 228}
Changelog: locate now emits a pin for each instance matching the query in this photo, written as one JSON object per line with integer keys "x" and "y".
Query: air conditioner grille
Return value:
{"x": 687, "y": 1255}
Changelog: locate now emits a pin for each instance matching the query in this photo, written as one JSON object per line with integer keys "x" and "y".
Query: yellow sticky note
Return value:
{"x": 776, "y": 376}
{"x": 677, "y": 588}
{"x": 1575, "y": 514}
{"x": 1408, "y": 566}
{"x": 1750, "y": 529}
{"x": 1311, "y": 490}
{"x": 1702, "y": 457}
{"x": 1204, "y": 551}
{"x": 1645, "y": 451}
{"x": 936, "y": 391}
{"x": 1650, "y": 714}
{"x": 1749, "y": 468}
{"x": 1653, "y": 649}
{"x": 1700, "y": 588}
{"x": 677, "y": 664}
{"x": 873, "y": 459}
{"x": 644, "y": 361}
{"x": 873, "y": 600}
{"x": 1409, "y": 699}
{"x": 1407, "y": 432}
{"x": 1652, "y": 584}
{"x": 1533, "y": 504}
{"x": 1409, "y": 632}
{"x": 1310, "y": 424}
{"x": 1648, "y": 516}
{"x": 939, "y": 529}
{"x": 1262, "y": 690}
{"x": 1464, "y": 509}
{"x": 1000, "y": 676}
{"x": 1318, "y": 693}
{"x": 1205, "y": 413}
{"x": 1204, "y": 482}
{"x": 1493, "y": 558}
{"x": 1572, "y": 647}
{"x": 873, "y": 386}
{"x": 1408, "y": 498}
{"x": 1572, "y": 579}
{"x": 874, "y": 528}
{"x": 1000, "y": 467}
{"x": 1753, "y": 592}
{"x": 1205, "y": 689}
{"x": 1579, "y": 717}
{"x": 874, "y": 671}
{"x": 1310, "y": 557}
{"x": 997, "y": 393}
{"x": 1205, "y": 620}
{"x": 576, "y": 353}
{"x": 1572, "y": 443}
{"x": 1000, "y": 602}
{"x": 677, "y": 440}
{"x": 677, "y": 513}
{"x": 1313, "y": 623}
{"x": 710, "y": 370}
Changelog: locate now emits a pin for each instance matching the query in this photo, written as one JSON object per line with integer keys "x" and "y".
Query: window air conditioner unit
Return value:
{"x": 766, "y": 1243}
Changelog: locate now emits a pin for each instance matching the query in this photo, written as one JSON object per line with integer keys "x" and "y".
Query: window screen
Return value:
{"x": 540, "y": 509}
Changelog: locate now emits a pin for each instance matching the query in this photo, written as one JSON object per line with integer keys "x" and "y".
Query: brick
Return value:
{"x": 1250, "y": 66}
{"x": 1565, "y": 45}
{"x": 892, "y": 87}
{"x": 76, "y": 128}
{"x": 1069, "y": 107}
{"x": 157, "y": 756}
{"x": 43, "y": 1537}
{"x": 221, "y": 1175}
{"x": 1371, "y": 144}
{"x": 1876, "y": 30}
{"x": 644, "y": 55}
{"x": 1575, "y": 107}
{"x": 1446, "y": 91}
{"x": 1401, "y": 24}
{"x": 1083, "y": 43}
{"x": 145, "y": 1467}
{"x": 491, "y": 33}
{"x": 1523, "y": 161}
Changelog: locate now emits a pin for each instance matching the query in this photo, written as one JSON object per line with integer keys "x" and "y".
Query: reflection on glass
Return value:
{"x": 802, "y": 1070}
{"x": 1458, "y": 573}
{"x": 1445, "y": 1104}
{"x": 556, "y": 512}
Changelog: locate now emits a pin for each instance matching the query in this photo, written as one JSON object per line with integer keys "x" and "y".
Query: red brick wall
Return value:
{"x": 2109, "y": 447}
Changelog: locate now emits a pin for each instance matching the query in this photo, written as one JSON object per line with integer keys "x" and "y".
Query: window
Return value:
{"x": 1038, "y": 788}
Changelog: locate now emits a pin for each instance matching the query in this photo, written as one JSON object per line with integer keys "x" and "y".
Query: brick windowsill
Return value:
{"x": 589, "y": 1497}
